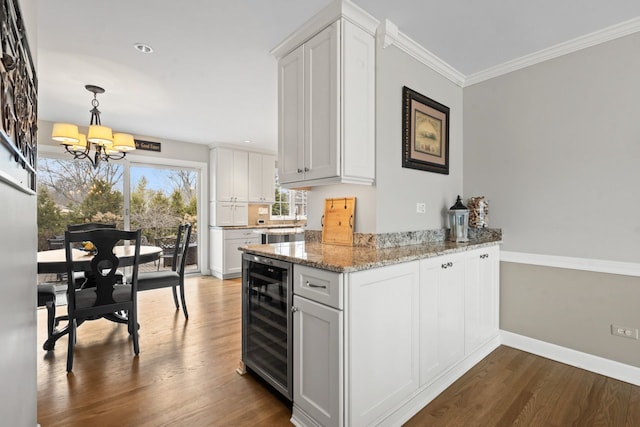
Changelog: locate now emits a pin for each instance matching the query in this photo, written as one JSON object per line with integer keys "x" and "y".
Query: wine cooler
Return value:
{"x": 267, "y": 320}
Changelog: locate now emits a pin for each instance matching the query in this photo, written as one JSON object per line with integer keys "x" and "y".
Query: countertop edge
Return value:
{"x": 417, "y": 252}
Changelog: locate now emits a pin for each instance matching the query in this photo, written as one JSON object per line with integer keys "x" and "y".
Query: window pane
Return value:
{"x": 161, "y": 199}
{"x": 73, "y": 192}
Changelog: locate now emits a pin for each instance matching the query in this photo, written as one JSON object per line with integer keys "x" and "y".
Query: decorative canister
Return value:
{"x": 459, "y": 222}
{"x": 478, "y": 212}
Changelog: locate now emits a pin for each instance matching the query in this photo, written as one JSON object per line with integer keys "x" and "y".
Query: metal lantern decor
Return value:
{"x": 459, "y": 222}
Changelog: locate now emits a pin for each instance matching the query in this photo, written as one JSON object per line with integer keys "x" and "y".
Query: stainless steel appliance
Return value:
{"x": 280, "y": 235}
{"x": 267, "y": 293}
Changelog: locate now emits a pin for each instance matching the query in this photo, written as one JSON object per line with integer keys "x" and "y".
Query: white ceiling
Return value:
{"x": 211, "y": 78}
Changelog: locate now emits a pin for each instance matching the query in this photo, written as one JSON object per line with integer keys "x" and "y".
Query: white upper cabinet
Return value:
{"x": 326, "y": 101}
{"x": 262, "y": 169}
{"x": 229, "y": 175}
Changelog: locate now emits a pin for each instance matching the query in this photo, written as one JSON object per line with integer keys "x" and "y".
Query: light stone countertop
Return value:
{"x": 343, "y": 259}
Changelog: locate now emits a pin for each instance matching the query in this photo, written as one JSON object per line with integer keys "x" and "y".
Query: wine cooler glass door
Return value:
{"x": 267, "y": 320}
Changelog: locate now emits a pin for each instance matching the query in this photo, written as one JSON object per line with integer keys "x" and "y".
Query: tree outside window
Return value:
{"x": 289, "y": 204}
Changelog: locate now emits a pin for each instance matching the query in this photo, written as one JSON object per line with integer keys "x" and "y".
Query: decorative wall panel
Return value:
{"x": 18, "y": 98}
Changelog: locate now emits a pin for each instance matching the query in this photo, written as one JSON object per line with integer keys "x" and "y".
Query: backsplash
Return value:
{"x": 255, "y": 215}
{"x": 406, "y": 238}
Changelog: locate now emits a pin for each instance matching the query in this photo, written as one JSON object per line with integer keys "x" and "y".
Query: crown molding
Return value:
{"x": 388, "y": 35}
{"x": 610, "y": 33}
{"x": 335, "y": 10}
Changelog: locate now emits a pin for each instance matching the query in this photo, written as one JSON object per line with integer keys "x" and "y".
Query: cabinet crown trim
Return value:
{"x": 334, "y": 11}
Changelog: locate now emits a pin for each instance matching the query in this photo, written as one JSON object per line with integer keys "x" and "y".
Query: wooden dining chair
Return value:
{"x": 173, "y": 278}
{"x": 108, "y": 296}
{"x": 47, "y": 298}
{"x": 81, "y": 276}
{"x": 89, "y": 226}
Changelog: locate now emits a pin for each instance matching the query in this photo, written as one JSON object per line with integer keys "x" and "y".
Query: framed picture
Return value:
{"x": 425, "y": 133}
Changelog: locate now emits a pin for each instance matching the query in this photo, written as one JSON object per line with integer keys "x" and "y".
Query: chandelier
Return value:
{"x": 106, "y": 144}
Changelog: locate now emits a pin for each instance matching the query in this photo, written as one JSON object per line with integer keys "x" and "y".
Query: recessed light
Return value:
{"x": 246, "y": 141}
{"x": 144, "y": 48}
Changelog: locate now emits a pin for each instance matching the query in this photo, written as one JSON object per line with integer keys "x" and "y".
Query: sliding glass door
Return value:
{"x": 161, "y": 198}
{"x": 155, "y": 198}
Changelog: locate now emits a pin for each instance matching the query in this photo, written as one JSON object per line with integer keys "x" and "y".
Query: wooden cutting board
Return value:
{"x": 338, "y": 221}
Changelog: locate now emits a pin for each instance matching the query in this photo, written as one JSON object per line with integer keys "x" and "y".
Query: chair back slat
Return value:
{"x": 181, "y": 248}
{"x": 89, "y": 226}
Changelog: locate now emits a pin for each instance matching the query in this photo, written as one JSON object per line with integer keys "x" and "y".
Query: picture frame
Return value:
{"x": 425, "y": 133}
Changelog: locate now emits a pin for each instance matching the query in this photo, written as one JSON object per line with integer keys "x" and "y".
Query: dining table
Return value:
{"x": 55, "y": 261}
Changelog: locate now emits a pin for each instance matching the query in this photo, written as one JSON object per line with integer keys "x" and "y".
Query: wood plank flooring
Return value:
{"x": 185, "y": 376}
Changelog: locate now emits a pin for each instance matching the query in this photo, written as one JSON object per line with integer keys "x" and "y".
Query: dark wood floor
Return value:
{"x": 185, "y": 376}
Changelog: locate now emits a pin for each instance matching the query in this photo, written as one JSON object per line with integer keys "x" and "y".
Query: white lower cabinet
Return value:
{"x": 382, "y": 319}
{"x": 442, "y": 314}
{"x": 317, "y": 362}
{"x": 378, "y": 345}
{"x": 481, "y": 296}
{"x": 225, "y": 260}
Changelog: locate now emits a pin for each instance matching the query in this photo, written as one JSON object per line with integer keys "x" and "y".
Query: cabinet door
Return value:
{"x": 232, "y": 256}
{"x": 255, "y": 177}
{"x": 322, "y": 97}
{"x": 268, "y": 178}
{"x": 261, "y": 178}
{"x": 240, "y": 214}
{"x": 317, "y": 361}
{"x": 240, "y": 176}
{"x": 291, "y": 116}
{"x": 216, "y": 251}
{"x": 441, "y": 314}
{"x": 383, "y": 353}
{"x": 232, "y": 264}
{"x": 224, "y": 214}
{"x": 223, "y": 174}
{"x": 481, "y": 297}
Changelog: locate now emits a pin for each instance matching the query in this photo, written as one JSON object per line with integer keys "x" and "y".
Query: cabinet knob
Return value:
{"x": 294, "y": 308}
{"x": 447, "y": 264}
{"x": 306, "y": 169}
{"x": 299, "y": 170}
{"x": 483, "y": 256}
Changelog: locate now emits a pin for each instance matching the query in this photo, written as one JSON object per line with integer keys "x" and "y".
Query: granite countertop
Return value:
{"x": 345, "y": 259}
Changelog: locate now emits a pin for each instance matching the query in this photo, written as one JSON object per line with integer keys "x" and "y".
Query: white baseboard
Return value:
{"x": 427, "y": 393}
{"x": 599, "y": 365}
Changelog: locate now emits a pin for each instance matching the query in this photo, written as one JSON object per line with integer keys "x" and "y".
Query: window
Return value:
{"x": 289, "y": 204}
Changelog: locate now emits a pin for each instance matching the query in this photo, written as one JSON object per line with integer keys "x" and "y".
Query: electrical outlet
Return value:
{"x": 620, "y": 331}
{"x": 421, "y": 207}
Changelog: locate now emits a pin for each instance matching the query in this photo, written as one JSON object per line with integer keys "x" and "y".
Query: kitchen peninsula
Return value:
{"x": 378, "y": 332}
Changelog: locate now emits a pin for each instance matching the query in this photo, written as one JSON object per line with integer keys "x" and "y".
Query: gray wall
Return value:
{"x": 571, "y": 308}
{"x": 555, "y": 148}
{"x": 398, "y": 188}
{"x": 390, "y": 206}
{"x": 18, "y": 387}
